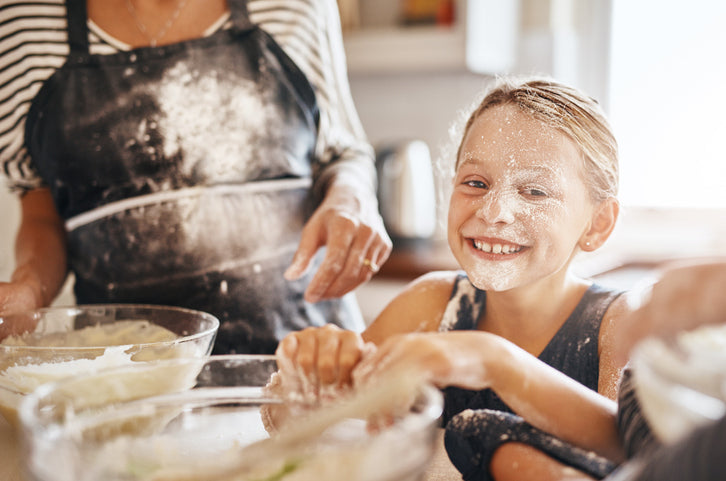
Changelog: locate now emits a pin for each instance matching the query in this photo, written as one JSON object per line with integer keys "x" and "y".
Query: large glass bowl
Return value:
{"x": 199, "y": 428}
{"x": 681, "y": 381}
{"x": 63, "y": 341}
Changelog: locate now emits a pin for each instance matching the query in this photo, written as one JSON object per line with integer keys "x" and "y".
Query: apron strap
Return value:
{"x": 77, "y": 26}
{"x": 239, "y": 15}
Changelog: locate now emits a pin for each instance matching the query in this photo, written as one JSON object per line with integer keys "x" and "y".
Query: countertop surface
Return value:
{"x": 10, "y": 467}
{"x": 441, "y": 468}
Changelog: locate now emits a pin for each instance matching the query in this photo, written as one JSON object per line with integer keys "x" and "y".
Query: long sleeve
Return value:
{"x": 33, "y": 45}
{"x": 309, "y": 31}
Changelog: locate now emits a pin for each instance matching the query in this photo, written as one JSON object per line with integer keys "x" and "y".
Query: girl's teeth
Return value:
{"x": 496, "y": 248}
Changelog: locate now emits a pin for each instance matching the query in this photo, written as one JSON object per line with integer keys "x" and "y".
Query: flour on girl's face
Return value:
{"x": 518, "y": 184}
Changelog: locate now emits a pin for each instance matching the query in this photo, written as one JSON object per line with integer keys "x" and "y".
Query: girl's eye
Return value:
{"x": 477, "y": 184}
{"x": 533, "y": 192}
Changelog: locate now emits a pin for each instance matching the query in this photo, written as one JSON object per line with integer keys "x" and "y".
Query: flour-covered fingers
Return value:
{"x": 366, "y": 256}
{"x": 328, "y": 351}
{"x": 374, "y": 365}
{"x": 297, "y": 357}
{"x": 352, "y": 349}
{"x": 291, "y": 382}
{"x": 320, "y": 358}
{"x": 339, "y": 238}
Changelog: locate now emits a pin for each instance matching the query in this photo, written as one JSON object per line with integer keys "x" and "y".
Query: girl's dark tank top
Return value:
{"x": 573, "y": 350}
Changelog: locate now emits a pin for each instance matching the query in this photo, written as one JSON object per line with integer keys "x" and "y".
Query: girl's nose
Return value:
{"x": 496, "y": 207}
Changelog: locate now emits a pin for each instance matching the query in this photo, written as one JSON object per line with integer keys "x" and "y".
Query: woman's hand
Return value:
{"x": 317, "y": 362}
{"x": 687, "y": 296}
{"x": 348, "y": 224}
{"x": 40, "y": 256}
{"x": 16, "y": 297}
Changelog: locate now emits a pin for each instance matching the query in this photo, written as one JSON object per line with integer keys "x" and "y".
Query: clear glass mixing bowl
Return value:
{"x": 63, "y": 341}
{"x": 198, "y": 427}
{"x": 681, "y": 381}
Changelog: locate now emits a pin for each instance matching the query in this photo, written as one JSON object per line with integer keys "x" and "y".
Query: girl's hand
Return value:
{"x": 459, "y": 359}
{"x": 317, "y": 362}
{"x": 348, "y": 225}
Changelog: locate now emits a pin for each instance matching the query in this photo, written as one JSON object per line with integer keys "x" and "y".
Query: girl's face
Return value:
{"x": 519, "y": 204}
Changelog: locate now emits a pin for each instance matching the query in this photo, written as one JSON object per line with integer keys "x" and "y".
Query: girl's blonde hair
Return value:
{"x": 569, "y": 111}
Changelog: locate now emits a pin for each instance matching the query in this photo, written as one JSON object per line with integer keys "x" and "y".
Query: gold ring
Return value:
{"x": 371, "y": 265}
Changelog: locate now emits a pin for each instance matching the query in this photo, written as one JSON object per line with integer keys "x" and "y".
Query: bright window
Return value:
{"x": 667, "y": 101}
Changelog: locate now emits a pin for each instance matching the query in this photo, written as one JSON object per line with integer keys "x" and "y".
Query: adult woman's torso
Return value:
{"x": 183, "y": 173}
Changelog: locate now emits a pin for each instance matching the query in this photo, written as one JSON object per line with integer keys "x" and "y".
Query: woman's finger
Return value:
{"x": 311, "y": 239}
{"x": 340, "y": 236}
{"x": 359, "y": 267}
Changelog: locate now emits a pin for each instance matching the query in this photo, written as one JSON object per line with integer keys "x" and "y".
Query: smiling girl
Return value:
{"x": 516, "y": 332}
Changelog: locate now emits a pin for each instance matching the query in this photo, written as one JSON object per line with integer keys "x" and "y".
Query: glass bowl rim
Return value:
{"x": 212, "y": 329}
{"x": 431, "y": 411}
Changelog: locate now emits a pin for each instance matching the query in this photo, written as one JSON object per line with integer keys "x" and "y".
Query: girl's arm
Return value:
{"x": 40, "y": 256}
{"x": 475, "y": 360}
{"x": 327, "y": 355}
{"x": 318, "y": 362}
{"x": 556, "y": 403}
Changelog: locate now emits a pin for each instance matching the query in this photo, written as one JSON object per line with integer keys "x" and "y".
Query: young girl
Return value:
{"x": 535, "y": 183}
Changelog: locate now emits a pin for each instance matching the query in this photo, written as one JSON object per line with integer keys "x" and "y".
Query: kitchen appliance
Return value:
{"x": 406, "y": 191}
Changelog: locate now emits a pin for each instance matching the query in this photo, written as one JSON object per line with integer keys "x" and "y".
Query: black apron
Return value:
{"x": 183, "y": 173}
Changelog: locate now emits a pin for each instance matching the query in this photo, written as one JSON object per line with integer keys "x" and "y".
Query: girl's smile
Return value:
{"x": 497, "y": 248}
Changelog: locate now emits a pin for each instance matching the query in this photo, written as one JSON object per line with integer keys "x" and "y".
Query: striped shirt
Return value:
{"x": 34, "y": 44}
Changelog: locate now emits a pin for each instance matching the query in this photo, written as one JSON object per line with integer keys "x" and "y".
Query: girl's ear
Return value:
{"x": 603, "y": 222}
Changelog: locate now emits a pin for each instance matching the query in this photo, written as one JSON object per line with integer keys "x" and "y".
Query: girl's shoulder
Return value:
{"x": 610, "y": 365}
{"x": 430, "y": 290}
{"x": 619, "y": 308}
{"x": 419, "y": 307}
{"x": 443, "y": 280}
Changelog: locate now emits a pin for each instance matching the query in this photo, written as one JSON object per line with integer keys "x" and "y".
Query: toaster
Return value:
{"x": 406, "y": 190}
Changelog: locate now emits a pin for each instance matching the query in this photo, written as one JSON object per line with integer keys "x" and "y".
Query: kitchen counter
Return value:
{"x": 440, "y": 468}
{"x": 10, "y": 467}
